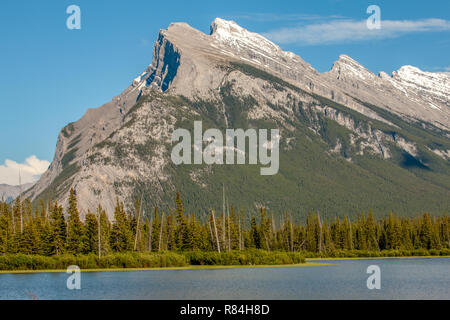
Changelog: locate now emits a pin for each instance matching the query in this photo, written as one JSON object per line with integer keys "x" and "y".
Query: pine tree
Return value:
{"x": 156, "y": 227}
{"x": 91, "y": 235}
{"x": 30, "y": 238}
{"x": 311, "y": 240}
{"x": 182, "y": 241}
{"x": 4, "y": 232}
{"x": 171, "y": 232}
{"x": 57, "y": 235}
{"x": 255, "y": 237}
{"x": 121, "y": 234}
{"x": 372, "y": 243}
{"x": 75, "y": 228}
{"x": 426, "y": 230}
{"x": 105, "y": 231}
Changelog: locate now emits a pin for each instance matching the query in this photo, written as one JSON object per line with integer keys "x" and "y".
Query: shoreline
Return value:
{"x": 193, "y": 267}
{"x": 310, "y": 262}
{"x": 372, "y": 258}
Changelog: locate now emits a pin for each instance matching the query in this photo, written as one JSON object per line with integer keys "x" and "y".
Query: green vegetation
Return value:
{"x": 310, "y": 178}
{"x": 91, "y": 261}
{"x": 244, "y": 257}
{"x": 61, "y": 183}
{"x": 46, "y": 238}
{"x": 74, "y": 142}
{"x": 134, "y": 260}
{"x": 379, "y": 254}
{"x": 68, "y": 130}
{"x": 68, "y": 157}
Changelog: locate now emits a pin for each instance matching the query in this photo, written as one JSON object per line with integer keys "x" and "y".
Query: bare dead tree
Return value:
{"x": 150, "y": 235}
{"x": 320, "y": 231}
{"x": 161, "y": 231}
{"x": 215, "y": 229}
{"x": 229, "y": 228}
{"x": 239, "y": 234}
{"x": 137, "y": 223}
{"x": 211, "y": 233}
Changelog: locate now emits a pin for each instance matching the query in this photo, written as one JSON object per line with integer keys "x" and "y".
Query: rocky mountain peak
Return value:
{"x": 426, "y": 79}
{"x": 231, "y": 76}
{"x": 230, "y": 32}
{"x": 346, "y": 67}
{"x": 220, "y": 25}
{"x": 432, "y": 86}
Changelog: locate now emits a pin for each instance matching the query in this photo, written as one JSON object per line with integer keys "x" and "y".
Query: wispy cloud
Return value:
{"x": 30, "y": 170}
{"x": 346, "y": 30}
{"x": 441, "y": 69}
{"x": 273, "y": 17}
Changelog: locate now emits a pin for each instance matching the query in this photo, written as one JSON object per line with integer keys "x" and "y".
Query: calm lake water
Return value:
{"x": 419, "y": 278}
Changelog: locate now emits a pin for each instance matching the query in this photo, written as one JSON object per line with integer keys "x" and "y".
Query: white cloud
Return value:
{"x": 338, "y": 31}
{"x": 30, "y": 171}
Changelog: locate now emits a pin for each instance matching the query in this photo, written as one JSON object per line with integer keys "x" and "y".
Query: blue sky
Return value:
{"x": 50, "y": 75}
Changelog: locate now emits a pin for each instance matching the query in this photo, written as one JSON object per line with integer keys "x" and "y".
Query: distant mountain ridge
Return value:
{"x": 350, "y": 140}
{"x": 9, "y": 193}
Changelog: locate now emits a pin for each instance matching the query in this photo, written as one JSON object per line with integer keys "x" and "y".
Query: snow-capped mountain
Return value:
{"x": 358, "y": 139}
{"x": 411, "y": 93}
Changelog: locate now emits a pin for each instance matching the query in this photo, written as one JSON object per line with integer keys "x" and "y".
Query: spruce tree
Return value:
{"x": 75, "y": 228}
{"x": 182, "y": 241}
{"x": 255, "y": 237}
{"x": 91, "y": 234}
{"x": 57, "y": 236}
{"x": 426, "y": 230}
{"x": 121, "y": 234}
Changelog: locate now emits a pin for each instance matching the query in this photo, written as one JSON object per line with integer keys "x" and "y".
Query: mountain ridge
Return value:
{"x": 9, "y": 192}
{"x": 227, "y": 78}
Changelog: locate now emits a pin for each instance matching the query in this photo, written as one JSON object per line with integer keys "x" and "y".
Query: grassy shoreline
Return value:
{"x": 135, "y": 260}
{"x": 306, "y": 264}
{"x": 310, "y": 262}
{"x": 191, "y": 260}
{"x": 373, "y": 258}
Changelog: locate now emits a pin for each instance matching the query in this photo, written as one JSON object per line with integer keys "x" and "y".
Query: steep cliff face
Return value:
{"x": 350, "y": 140}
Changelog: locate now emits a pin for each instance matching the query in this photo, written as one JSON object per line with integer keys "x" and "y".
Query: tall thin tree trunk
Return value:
{"x": 224, "y": 231}
{"x": 229, "y": 229}
{"x": 223, "y": 216}
{"x": 168, "y": 235}
{"x": 137, "y": 224}
{"x": 215, "y": 228}
{"x": 320, "y": 232}
{"x": 239, "y": 234}
{"x": 99, "y": 233}
{"x": 267, "y": 241}
{"x": 150, "y": 235}
{"x": 351, "y": 236}
{"x": 161, "y": 232}
{"x": 273, "y": 226}
{"x": 211, "y": 233}
{"x": 20, "y": 202}
{"x": 292, "y": 233}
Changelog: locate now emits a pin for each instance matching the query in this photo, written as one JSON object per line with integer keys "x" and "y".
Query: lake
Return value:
{"x": 418, "y": 278}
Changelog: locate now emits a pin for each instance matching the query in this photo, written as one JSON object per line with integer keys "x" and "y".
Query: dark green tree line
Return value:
{"x": 49, "y": 230}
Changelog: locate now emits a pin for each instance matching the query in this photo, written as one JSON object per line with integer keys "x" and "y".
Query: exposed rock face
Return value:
{"x": 234, "y": 78}
{"x": 411, "y": 93}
